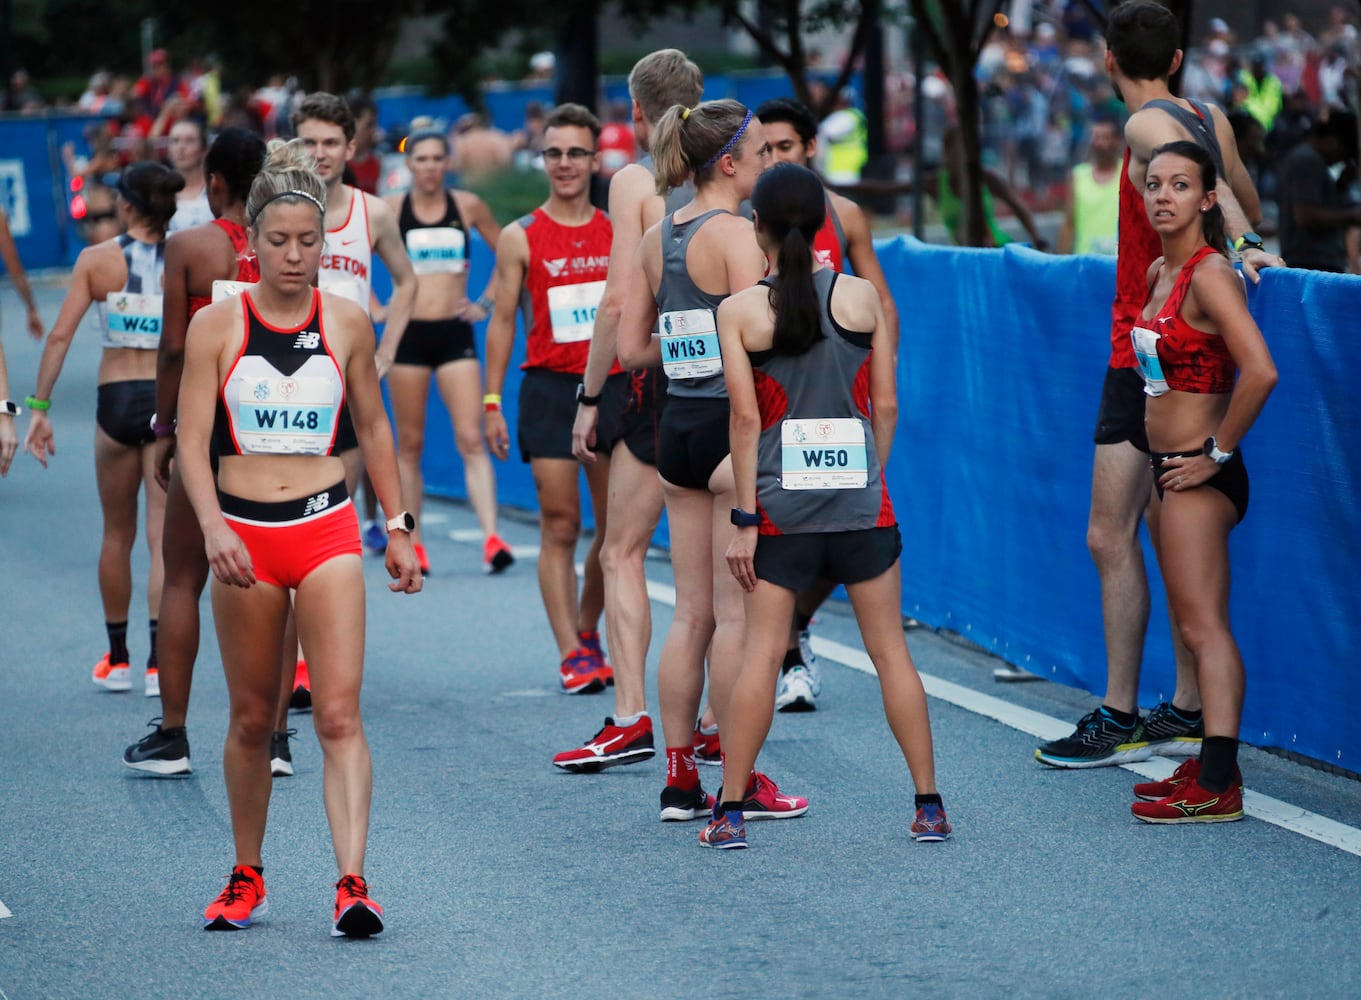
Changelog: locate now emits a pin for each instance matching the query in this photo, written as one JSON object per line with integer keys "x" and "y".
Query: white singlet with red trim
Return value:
{"x": 347, "y": 259}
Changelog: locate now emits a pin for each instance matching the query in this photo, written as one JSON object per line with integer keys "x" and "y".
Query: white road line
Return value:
{"x": 4, "y": 912}
{"x": 1045, "y": 727}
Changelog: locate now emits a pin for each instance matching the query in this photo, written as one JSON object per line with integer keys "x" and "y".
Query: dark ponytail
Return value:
{"x": 1212, "y": 223}
{"x": 791, "y": 205}
{"x": 150, "y": 188}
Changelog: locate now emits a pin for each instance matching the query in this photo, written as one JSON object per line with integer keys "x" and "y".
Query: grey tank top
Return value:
{"x": 1200, "y": 123}
{"x": 677, "y": 196}
{"x": 817, "y": 469}
{"x": 687, "y": 318}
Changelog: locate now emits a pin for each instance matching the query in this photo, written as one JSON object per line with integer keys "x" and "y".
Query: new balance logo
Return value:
{"x": 316, "y": 503}
{"x": 309, "y": 341}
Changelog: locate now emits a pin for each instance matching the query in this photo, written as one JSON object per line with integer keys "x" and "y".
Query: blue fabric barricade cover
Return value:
{"x": 1000, "y": 369}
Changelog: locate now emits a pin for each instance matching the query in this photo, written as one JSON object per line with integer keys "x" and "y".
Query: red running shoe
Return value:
{"x": 765, "y": 801}
{"x": 612, "y": 746}
{"x": 590, "y": 641}
{"x": 580, "y": 673}
{"x": 726, "y": 832}
{"x": 496, "y": 555}
{"x": 301, "y": 698}
{"x": 708, "y": 749}
{"x": 930, "y": 825}
{"x": 237, "y": 905}
{"x": 356, "y": 914}
{"x": 1191, "y": 803}
{"x": 112, "y": 676}
{"x": 1152, "y": 791}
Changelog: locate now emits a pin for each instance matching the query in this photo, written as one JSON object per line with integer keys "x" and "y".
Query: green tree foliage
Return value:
{"x": 73, "y": 38}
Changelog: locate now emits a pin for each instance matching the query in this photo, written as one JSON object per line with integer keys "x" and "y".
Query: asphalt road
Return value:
{"x": 502, "y": 877}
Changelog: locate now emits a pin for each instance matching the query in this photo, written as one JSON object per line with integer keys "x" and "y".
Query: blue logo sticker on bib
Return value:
{"x": 1146, "y": 355}
{"x": 823, "y": 454}
{"x": 689, "y": 342}
{"x": 133, "y": 321}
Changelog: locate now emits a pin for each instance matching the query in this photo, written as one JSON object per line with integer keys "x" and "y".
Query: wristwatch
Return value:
{"x": 1248, "y": 241}
{"x": 1211, "y": 449}
{"x": 744, "y": 519}
{"x": 402, "y": 522}
{"x": 584, "y": 399}
{"x": 10, "y": 407}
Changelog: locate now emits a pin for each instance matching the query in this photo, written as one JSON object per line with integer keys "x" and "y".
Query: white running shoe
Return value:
{"x": 810, "y": 661}
{"x": 153, "y": 683}
{"x": 795, "y": 692}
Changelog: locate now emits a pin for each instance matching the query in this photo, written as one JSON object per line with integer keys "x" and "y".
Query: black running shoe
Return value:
{"x": 280, "y": 757}
{"x": 1098, "y": 741}
{"x": 679, "y": 804}
{"x": 163, "y": 752}
{"x": 1170, "y": 735}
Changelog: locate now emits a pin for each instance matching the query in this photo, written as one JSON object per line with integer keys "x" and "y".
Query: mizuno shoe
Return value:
{"x": 612, "y": 746}
{"x": 1190, "y": 803}
{"x": 708, "y": 748}
{"x": 930, "y": 825}
{"x": 237, "y": 905}
{"x": 681, "y": 804}
{"x": 765, "y": 801}
{"x": 725, "y": 832}
{"x": 580, "y": 673}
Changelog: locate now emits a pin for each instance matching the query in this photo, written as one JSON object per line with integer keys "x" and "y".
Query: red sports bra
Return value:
{"x": 247, "y": 267}
{"x": 1186, "y": 359}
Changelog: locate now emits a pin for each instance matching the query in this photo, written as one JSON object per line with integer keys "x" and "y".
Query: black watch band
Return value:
{"x": 744, "y": 519}
{"x": 584, "y": 399}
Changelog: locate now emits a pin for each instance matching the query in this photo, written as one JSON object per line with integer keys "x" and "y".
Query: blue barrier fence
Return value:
{"x": 1003, "y": 353}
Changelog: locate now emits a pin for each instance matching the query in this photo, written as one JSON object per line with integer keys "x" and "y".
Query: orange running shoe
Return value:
{"x": 112, "y": 676}
{"x": 423, "y": 559}
{"x": 301, "y": 698}
{"x": 356, "y": 914}
{"x": 153, "y": 682}
{"x": 237, "y": 905}
{"x": 496, "y": 555}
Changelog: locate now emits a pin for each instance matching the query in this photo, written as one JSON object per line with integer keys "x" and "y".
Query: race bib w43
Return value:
{"x": 134, "y": 321}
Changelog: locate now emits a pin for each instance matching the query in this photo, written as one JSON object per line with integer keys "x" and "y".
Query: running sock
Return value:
{"x": 792, "y": 658}
{"x": 1125, "y": 720}
{"x": 932, "y": 799}
{"x": 1218, "y": 761}
{"x": 258, "y": 869}
{"x": 624, "y": 721}
{"x": 151, "y": 660}
{"x": 680, "y": 767}
{"x": 118, "y": 641}
{"x": 1185, "y": 714}
{"x": 802, "y": 620}
{"x": 730, "y": 807}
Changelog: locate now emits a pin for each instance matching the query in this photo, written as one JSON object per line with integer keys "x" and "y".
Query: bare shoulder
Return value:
{"x": 850, "y": 214}
{"x": 1215, "y": 272}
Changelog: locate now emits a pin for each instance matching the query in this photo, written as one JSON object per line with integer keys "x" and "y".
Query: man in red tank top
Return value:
{"x": 1142, "y": 40}
{"x": 552, "y": 265}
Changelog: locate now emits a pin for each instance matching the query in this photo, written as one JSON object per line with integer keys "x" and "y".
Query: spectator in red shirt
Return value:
{"x": 159, "y": 83}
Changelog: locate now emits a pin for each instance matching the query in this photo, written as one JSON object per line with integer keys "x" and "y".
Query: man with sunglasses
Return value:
{"x": 552, "y": 264}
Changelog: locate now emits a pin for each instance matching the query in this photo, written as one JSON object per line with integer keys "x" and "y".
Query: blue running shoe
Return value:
{"x": 930, "y": 825}
{"x": 726, "y": 832}
{"x": 375, "y": 540}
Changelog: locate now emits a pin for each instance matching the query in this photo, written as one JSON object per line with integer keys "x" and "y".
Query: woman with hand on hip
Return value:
{"x": 1194, "y": 335}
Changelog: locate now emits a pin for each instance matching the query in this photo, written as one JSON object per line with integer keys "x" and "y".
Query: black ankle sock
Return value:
{"x": 727, "y": 807}
{"x": 151, "y": 660}
{"x": 933, "y": 799}
{"x": 802, "y": 620}
{"x": 118, "y": 641}
{"x": 792, "y": 658}
{"x": 258, "y": 869}
{"x": 1125, "y": 719}
{"x": 1218, "y": 762}
{"x": 1185, "y": 714}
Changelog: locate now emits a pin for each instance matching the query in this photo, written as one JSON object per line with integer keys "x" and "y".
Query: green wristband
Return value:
{"x": 34, "y": 403}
